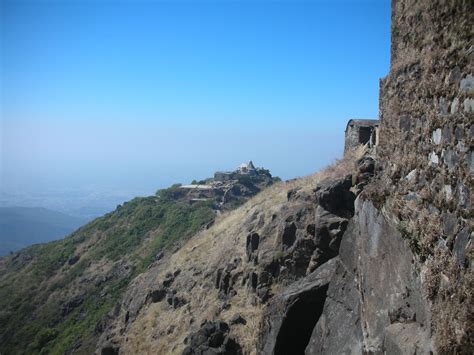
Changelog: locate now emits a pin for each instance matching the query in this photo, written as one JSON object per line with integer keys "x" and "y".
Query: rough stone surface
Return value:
{"x": 360, "y": 132}
{"x": 212, "y": 338}
{"x": 336, "y": 197}
{"x": 431, "y": 82}
{"x": 291, "y": 316}
{"x": 375, "y": 298}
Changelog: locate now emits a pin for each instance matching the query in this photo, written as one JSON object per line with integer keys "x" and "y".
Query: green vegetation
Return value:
{"x": 56, "y": 297}
{"x": 37, "y": 285}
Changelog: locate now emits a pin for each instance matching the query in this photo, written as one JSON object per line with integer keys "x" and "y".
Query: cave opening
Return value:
{"x": 299, "y": 322}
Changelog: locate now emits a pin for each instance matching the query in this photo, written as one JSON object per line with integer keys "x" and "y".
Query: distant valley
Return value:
{"x": 24, "y": 226}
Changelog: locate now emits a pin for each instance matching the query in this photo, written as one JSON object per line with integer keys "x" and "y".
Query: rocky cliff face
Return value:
{"x": 404, "y": 280}
{"x": 375, "y": 300}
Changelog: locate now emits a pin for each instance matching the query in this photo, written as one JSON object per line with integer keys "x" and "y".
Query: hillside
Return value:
{"x": 372, "y": 255}
{"x": 230, "y": 271}
{"x": 54, "y": 296}
{"x": 23, "y": 226}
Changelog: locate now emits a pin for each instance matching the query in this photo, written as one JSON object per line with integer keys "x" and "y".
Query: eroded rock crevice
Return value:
{"x": 298, "y": 324}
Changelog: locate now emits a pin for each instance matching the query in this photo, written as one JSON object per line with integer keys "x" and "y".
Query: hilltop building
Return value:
{"x": 243, "y": 169}
{"x": 247, "y": 168}
{"x": 360, "y": 132}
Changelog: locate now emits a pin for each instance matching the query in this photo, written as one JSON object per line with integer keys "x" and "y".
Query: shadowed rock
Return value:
{"x": 212, "y": 338}
{"x": 375, "y": 297}
{"x": 292, "y": 314}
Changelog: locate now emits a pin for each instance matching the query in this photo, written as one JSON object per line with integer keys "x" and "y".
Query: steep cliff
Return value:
{"x": 404, "y": 283}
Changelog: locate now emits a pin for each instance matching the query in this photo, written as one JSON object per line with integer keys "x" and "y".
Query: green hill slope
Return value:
{"x": 57, "y": 297}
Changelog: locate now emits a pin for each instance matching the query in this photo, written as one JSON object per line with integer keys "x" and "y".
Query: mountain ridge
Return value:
{"x": 55, "y": 294}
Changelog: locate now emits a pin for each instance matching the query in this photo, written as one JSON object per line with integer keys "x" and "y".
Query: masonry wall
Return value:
{"x": 426, "y": 150}
{"x": 351, "y": 141}
{"x": 353, "y": 136}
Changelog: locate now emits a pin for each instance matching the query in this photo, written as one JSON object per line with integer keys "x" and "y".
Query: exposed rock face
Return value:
{"x": 231, "y": 271}
{"x": 336, "y": 197}
{"x": 310, "y": 233}
{"x": 291, "y": 315}
{"x": 374, "y": 303}
{"x": 212, "y": 338}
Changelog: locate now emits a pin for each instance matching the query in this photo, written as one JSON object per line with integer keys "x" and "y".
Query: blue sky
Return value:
{"x": 140, "y": 94}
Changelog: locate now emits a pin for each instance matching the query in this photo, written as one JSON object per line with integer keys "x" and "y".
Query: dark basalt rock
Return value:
{"x": 263, "y": 293}
{"x": 212, "y": 338}
{"x": 366, "y": 165}
{"x": 227, "y": 277}
{"x": 253, "y": 280}
{"x": 360, "y": 315}
{"x": 175, "y": 301}
{"x": 292, "y": 194}
{"x": 300, "y": 256}
{"x": 73, "y": 259}
{"x": 157, "y": 295}
{"x": 237, "y": 319}
{"x": 169, "y": 279}
{"x": 159, "y": 256}
{"x": 288, "y": 236}
{"x": 253, "y": 241}
{"x": 328, "y": 231}
{"x": 462, "y": 240}
{"x": 291, "y": 315}
{"x": 335, "y": 196}
{"x": 110, "y": 350}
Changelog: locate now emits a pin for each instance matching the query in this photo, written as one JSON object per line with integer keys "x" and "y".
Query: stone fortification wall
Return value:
{"x": 426, "y": 151}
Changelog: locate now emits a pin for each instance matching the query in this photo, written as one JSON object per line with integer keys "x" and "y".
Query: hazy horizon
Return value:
{"x": 121, "y": 99}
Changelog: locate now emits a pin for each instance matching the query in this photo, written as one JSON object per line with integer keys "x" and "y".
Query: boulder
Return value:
{"x": 157, "y": 295}
{"x": 237, "y": 319}
{"x": 110, "y": 350}
{"x": 73, "y": 259}
{"x": 253, "y": 240}
{"x": 335, "y": 196}
{"x": 365, "y": 164}
{"x": 175, "y": 301}
{"x": 227, "y": 277}
{"x": 212, "y": 338}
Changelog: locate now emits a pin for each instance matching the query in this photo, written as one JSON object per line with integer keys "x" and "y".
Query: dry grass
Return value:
{"x": 199, "y": 258}
{"x": 453, "y": 315}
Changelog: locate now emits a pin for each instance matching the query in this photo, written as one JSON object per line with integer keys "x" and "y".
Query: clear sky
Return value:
{"x": 137, "y": 95}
